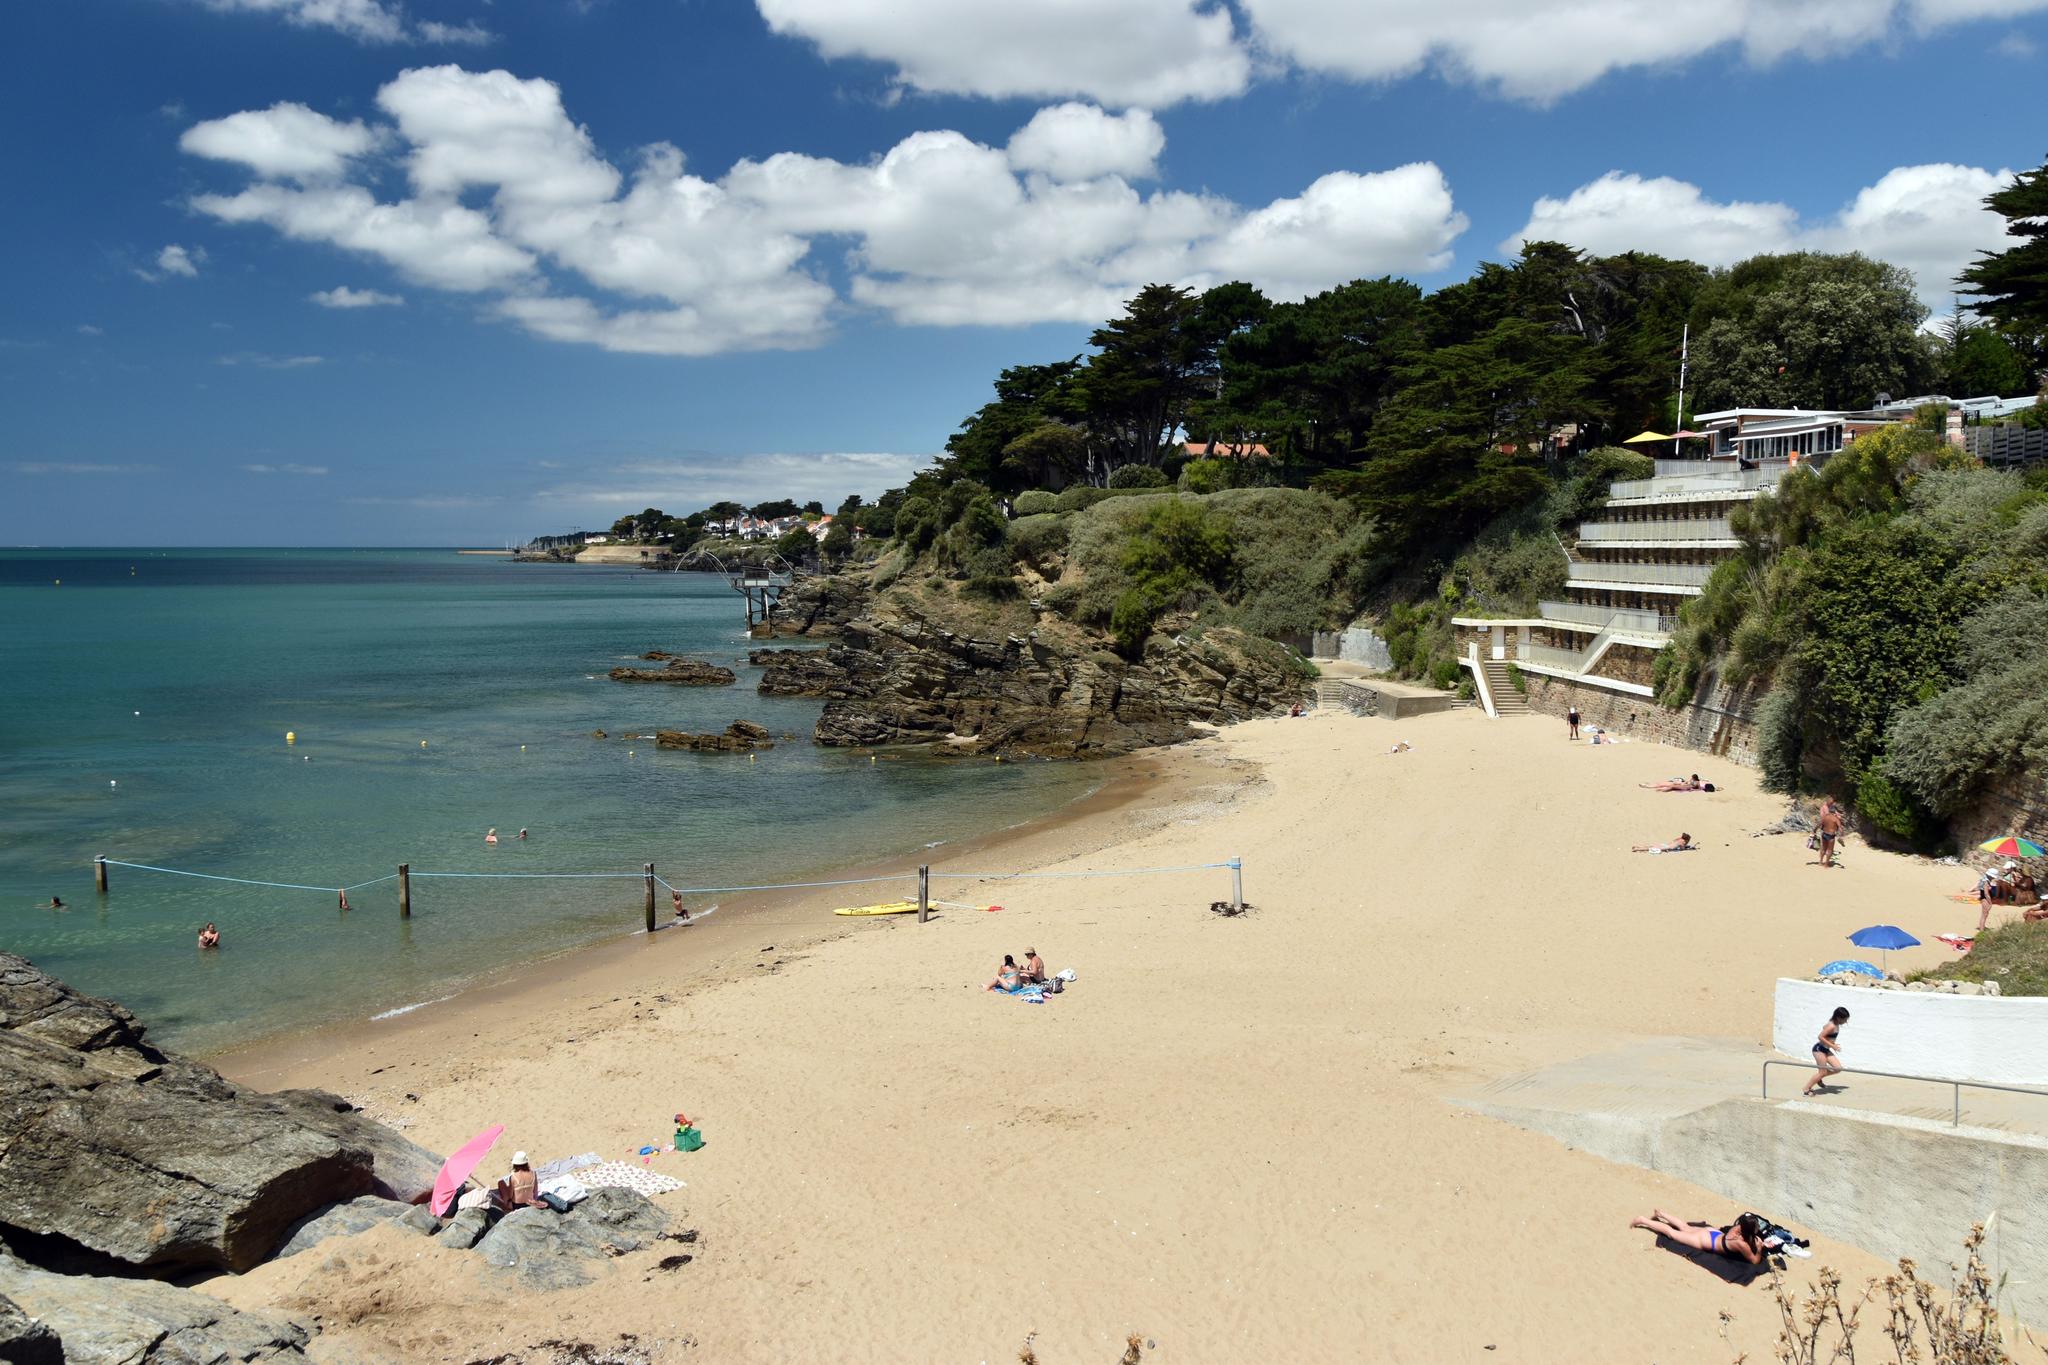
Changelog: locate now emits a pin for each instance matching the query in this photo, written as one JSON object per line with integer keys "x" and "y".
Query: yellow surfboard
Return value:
{"x": 885, "y": 908}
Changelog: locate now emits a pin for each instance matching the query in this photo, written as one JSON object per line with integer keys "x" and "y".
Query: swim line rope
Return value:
{"x": 693, "y": 890}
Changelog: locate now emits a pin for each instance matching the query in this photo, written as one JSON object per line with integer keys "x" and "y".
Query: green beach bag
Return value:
{"x": 688, "y": 1139}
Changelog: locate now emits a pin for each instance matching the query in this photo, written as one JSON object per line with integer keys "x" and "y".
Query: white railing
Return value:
{"x": 1670, "y": 528}
{"x": 1628, "y": 619}
{"x": 1664, "y": 575}
{"x": 1550, "y": 656}
{"x": 1726, "y": 479}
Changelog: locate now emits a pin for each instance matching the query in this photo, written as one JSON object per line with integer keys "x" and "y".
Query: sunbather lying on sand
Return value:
{"x": 1739, "y": 1241}
{"x": 1676, "y": 784}
{"x": 1682, "y": 844}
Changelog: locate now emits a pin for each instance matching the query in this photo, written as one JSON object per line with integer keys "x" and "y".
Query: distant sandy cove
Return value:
{"x": 1229, "y": 1136}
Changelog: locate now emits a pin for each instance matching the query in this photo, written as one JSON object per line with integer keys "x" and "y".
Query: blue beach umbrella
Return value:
{"x": 1851, "y": 964}
{"x": 1884, "y": 937}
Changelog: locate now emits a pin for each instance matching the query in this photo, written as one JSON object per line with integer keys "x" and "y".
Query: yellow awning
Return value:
{"x": 1646, "y": 437}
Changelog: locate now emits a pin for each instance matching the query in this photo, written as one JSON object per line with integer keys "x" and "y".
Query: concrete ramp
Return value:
{"x": 1877, "y": 1164}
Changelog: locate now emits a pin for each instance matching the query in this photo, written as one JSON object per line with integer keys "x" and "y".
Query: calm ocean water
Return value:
{"x": 143, "y": 717}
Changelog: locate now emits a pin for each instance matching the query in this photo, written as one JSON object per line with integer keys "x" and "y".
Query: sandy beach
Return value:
{"x": 1231, "y": 1137}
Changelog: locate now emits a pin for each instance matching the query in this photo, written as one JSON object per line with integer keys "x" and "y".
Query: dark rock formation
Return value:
{"x": 821, "y": 605}
{"x": 801, "y": 673}
{"x": 340, "y": 1220}
{"x": 465, "y": 1229}
{"x": 25, "y": 1340}
{"x": 104, "y": 1319}
{"x": 110, "y": 1147}
{"x": 739, "y": 736}
{"x": 553, "y": 1250}
{"x": 898, "y": 678}
{"x": 420, "y": 1219}
{"x": 684, "y": 672}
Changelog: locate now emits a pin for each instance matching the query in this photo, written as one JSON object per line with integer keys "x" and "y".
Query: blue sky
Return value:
{"x": 855, "y": 212}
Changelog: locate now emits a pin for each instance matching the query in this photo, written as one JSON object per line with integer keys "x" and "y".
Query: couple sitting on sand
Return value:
{"x": 1011, "y": 978}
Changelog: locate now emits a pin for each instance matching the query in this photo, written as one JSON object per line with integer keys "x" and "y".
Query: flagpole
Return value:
{"x": 1684, "y": 353}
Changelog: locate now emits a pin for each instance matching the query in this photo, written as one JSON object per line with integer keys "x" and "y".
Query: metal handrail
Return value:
{"x": 1956, "y": 1113}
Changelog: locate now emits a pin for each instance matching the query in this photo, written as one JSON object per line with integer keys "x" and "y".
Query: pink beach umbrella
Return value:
{"x": 456, "y": 1169}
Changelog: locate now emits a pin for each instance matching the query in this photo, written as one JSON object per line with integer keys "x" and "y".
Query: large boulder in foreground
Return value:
{"x": 102, "y": 1319}
{"x": 25, "y": 1340}
{"x": 112, "y": 1148}
{"x": 552, "y": 1250}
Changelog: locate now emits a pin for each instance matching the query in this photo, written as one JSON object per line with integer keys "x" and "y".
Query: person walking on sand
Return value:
{"x": 1571, "y": 718}
{"x": 1829, "y": 827}
{"x": 209, "y": 937}
{"x": 1741, "y": 1240}
{"x": 1826, "y": 1056}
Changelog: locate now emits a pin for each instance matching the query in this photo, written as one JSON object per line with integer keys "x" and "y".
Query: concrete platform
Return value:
{"x": 1876, "y": 1163}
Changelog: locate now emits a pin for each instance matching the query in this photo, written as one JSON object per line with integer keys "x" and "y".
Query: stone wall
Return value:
{"x": 2016, "y": 805}
{"x": 1356, "y": 645}
{"x": 1720, "y": 725}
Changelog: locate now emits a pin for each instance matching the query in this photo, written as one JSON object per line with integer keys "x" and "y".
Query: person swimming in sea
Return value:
{"x": 491, "y": 835}
{"x": 209, "y": 937}
{"x": 54, "y": 903}
{"x": 682, "y": 911}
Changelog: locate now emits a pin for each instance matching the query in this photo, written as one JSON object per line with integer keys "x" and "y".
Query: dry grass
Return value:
{"x": 1925, "y": 1323}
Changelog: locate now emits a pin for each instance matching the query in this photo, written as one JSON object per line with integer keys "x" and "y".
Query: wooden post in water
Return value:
{"x": 924, "y": 894}
{"x": 650, "y": 898}
{"x": 405, "y": 890}
{"x": 99, "y": 874}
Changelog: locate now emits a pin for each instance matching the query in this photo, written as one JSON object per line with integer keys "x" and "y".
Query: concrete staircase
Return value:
{"x": 1329, "y": 692}
{"x": 1507, "y": 698}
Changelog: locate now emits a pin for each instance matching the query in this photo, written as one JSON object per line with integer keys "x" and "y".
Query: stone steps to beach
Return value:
{"x": 1507, "y": 698}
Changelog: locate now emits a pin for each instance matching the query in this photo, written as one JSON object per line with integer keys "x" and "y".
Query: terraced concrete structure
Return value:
{"x": 1653, "y": 546}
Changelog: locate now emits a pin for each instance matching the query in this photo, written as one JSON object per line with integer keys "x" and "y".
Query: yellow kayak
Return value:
{"x": 885, "y": 908}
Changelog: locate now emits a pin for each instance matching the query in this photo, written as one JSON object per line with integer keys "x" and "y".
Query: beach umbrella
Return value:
{"x": 1642, "y": 438}
{"x": 1851, "y": 964}
{"x": 456, "y": 1169}
{"x": 2012, "y": 846}
{"x": 1884, "y": 937}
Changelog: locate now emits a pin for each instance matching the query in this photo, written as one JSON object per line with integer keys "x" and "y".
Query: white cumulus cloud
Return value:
{"x": 510, "y": 196}
{"x": 1540, "y": 51}
{"x": 286, "y": 141}
{"x": 174, "y": 260}
{"x": 1080, "y": 142}
{"x": 341, "y": 296}
{"x": 1929, "y": 219}
{"x": 305, "y": 470}
{"x": 1150, "y": 53}
{"x": 369, "y": 21}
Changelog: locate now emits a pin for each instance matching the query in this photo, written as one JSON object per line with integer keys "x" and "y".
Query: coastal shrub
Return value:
{"x": 1137, "y": 476}
{"x": 1955, "y": 1324}
{"x": 1038, "y": 541}
{"x": 1947, "y": 749}
{"x": 1034, "y": 503}
{"x": 1515, "y": 677}
{"x": 917, "y": 523}
{"x": 1780, "y": 737}
{"x": 1443, "y": 674}
{"x": 1209, "y": 476}
{"x": 1582, "y": 494}
{"x": 1078, "y": 497}
{"x": 2015, "y": 955}
{"x": 1178, "y": 550}
{"x": 1894, "y": 811}
{"x": 1062, "y": 599}
{"x": 1300, "y": 553}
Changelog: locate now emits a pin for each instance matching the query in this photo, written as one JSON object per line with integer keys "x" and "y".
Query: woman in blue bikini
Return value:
{"x": 1739, "y": 1241}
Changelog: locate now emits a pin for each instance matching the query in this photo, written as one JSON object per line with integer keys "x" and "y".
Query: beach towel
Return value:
{"x": 564, "y": 1165}
{"x": 1032, "y": 995}
{"x": 625, "y": 1176}
{"x": 566, "y": 1191}
{"x": 1960, "y": 942}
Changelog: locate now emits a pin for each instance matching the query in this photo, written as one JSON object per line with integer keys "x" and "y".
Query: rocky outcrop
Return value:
{"x": 112, "y": 1148}
{"x": 104, "y": 1319}
{"x": 800, "y": 673}
{"x": 822, "y": 605}
{"x": 558, "y": 1250}
{"x": 683, "y": 672}
{"x": 340, "y": 1220}
{"x": 25, "y": 1340}
{"x": 738, "y": 737}
{"x": 899, "y": 678}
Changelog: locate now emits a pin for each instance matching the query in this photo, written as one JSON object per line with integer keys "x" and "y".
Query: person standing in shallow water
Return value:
{"x": 1571, "y": 718}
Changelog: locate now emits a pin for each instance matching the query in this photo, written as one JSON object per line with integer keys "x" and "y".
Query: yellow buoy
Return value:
{"x": 750, "y": 758}
{"x": 871, "y": 758}
{"x": 522, "y": 748}
{"x": 291, "y": 737}
{"x": 423, "y": 744}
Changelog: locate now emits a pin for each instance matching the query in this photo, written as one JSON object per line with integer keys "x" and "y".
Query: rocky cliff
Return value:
{"x": 116, "y": 1154}
{"x": 899, "y": 674}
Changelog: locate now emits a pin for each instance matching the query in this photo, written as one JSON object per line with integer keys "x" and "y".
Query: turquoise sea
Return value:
{"x": 146, "y": 698}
